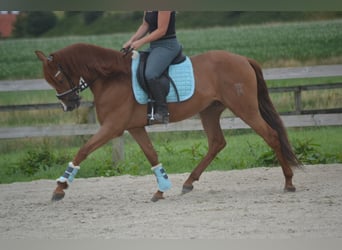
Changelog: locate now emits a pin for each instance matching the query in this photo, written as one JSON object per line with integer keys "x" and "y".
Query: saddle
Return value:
{"x": 141, "y": 73}
{"x": 179, "y": 74}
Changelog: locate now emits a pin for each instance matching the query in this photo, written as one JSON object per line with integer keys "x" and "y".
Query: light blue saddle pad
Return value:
{"x": 182, "y": 74}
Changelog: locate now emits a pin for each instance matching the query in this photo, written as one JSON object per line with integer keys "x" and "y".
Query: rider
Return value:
{"x": 158, "y": 29}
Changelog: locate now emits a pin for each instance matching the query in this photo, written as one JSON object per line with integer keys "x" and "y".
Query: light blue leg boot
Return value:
{"x": 69, "y": 173}
{"x": 164, "y": 183}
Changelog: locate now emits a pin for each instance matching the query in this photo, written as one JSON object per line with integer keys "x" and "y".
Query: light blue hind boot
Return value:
{"x": 164, "y": 183}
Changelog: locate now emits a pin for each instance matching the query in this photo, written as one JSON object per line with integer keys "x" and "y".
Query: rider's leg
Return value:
{"x": 162, "y": 53}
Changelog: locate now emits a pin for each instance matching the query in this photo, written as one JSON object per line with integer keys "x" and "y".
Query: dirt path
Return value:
{"x": 233, "y": 204}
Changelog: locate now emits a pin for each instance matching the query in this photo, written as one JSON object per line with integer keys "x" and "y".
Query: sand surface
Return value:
{"x": 239, "y": 204}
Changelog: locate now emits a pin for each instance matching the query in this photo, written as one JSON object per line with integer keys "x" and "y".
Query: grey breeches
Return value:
{"x": 162, "y": 52}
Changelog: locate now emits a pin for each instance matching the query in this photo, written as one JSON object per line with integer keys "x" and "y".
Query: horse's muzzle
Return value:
{"x": 70, "y": 105}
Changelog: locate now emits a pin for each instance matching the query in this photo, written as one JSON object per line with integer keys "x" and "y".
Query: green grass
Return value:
{"x": 284, "y": 102}
{"x": 180, "y": 152}
{"x": 271, "y": 44}
{"x": 275, "y": 45}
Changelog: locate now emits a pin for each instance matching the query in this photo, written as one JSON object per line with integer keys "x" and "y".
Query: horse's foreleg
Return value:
{"x": 141, "y": 137}
{"x": 96, "y": 141}
{"x": 210, "y": 118}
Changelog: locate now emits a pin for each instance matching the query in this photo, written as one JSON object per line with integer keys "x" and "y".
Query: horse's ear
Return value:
{"x": 41, "y": 55}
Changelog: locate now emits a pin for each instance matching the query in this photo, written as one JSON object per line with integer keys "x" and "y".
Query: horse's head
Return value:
{"x": 62, "y": 81}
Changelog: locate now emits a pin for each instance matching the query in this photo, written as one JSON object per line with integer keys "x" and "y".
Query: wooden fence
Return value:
{"x": 295, "y": 118}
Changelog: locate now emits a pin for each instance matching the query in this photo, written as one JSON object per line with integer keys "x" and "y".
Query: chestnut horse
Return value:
{"x": 223, "y": 80}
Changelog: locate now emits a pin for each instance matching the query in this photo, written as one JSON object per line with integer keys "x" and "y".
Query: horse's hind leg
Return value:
{"x": 210, "y": 118}
{"x": 271, "y": 137}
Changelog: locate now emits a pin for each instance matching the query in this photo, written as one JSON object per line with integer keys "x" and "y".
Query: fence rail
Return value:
{"x": 295, "y": 118}
{"x": 186, "y": 125}
{"x": 298, "y": 90}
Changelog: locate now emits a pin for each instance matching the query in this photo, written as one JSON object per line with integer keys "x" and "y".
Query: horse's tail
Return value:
{"x": 270, "y": 115}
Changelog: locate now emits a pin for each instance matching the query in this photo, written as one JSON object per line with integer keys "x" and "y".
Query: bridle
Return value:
{"x": 74, "y": 89}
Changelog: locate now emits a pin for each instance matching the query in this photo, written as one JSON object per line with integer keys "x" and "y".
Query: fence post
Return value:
{"x": 298, "y": 100}
{"x": 118, "y": 150}
{"x": 91, "y": 117}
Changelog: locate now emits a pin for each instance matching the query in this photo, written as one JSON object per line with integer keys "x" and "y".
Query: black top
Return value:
{"x": 151, "y": 17}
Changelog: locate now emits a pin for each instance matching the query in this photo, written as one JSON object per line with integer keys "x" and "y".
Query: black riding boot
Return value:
{"x": 159, "y": 89}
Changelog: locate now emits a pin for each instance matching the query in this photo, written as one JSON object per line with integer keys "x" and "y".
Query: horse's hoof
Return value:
{"x": 290, "y": 189}
{"x": 57, "y": 196}
{"x": 187, "y": 189}
{"x": 62, "y": 185}
{"x": 157, "y": 196}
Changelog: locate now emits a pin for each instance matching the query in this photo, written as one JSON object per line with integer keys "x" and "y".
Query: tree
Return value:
{"x": 39, "y": 22}
{"x": 34, "y": 23}
{"x": 20, "y": 25}
{"x": 91, "y": 16}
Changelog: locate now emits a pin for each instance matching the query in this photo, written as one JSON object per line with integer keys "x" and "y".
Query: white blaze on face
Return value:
{"x": 58, "y": 72}
{"x": 65, "y": 108}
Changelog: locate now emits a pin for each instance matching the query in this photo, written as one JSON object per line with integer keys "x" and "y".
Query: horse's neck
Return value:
{"x": 111, "y": 87}
{"x": 113, "y": 75}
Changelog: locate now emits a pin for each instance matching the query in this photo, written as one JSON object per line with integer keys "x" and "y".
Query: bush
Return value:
{"x": 20, "y": 26}
{"x": 91, "y": 16}
{"x": 306, "y": 151}
{"x": 34, "y": 23}
{"x": 39, "y": 22}
{"x": 40, "y": 159}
